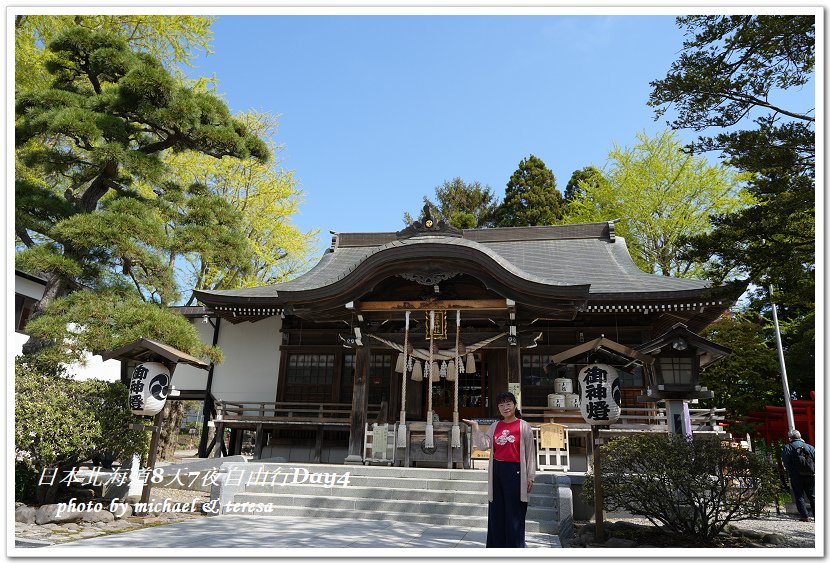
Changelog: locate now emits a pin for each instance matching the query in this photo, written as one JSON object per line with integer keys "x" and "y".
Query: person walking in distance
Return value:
{"x": 799, "y": 459}
{"x": 510, "y": 473}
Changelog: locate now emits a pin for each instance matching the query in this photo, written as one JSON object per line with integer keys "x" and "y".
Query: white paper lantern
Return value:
{"x": 149, "y": 386}
{"x": 599, "y": 394}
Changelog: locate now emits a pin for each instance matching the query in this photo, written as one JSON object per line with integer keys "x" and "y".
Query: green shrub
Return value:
{"x": 693, "y": 488}
{"x": 25, "y": 481}
{"x": 52, "y": 427}
{"x": 107, "y": 404}
{"x": 60, "y": 422}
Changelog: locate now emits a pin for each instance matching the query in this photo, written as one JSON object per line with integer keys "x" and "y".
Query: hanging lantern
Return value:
{"x": 452, "y": 371}
{"x": 149, "y": 386}
{"x": 599, "y": 401}
{"x": 399, "y": 364}
{"x": 417, "y": 372}
{"x": 471, "y": 364}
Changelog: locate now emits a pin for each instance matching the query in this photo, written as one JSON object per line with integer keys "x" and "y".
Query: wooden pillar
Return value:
{"x": 220, "y": 439}
{"x": 207, "y": 407}
{"x": 259, "y": 442}
{"x": 154, "y": 442}
{"x": 514, "y": 372}
{"x": 358, "y": 417}
{"x": 599, "y": 513}
{"x": 151, "y": 457}
{"x": 318, "y": 445}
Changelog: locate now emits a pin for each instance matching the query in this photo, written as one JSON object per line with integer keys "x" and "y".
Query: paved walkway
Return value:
{"x": 279, "y": 532}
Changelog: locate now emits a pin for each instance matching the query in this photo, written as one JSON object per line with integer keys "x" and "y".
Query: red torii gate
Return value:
{"x": 772, "y": 421}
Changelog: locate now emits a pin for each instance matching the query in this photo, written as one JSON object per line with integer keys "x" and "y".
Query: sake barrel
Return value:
{"x": 571, "y": 401}
{"x": 556, "y": 401}
{"x": 563, "y": 385}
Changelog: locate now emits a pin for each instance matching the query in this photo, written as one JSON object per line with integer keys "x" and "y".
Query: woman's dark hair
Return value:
{"x": 505, "y": 396}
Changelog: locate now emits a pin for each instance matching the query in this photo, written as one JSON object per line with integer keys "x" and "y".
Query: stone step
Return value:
{"x": 425, "y": 486}
{"x": 419, "y": 473}
{"x": 543, "y": 526}
{"x": 361, "y": 504}
{"x": 537, "y": 498}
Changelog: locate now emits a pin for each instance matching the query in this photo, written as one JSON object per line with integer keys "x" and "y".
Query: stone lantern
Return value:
{"x": 679, "y": 356}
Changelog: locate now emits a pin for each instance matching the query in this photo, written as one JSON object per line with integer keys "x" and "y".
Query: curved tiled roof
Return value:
{"x": 565, "y": 256}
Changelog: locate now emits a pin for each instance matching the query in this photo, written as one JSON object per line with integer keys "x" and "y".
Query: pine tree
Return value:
{"x": 85, "y": 146}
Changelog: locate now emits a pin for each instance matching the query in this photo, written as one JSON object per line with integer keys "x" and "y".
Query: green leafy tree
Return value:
{"x": 749, "y": 378}
{"x": 663, "y": 196}
{"x": 692, "y": 488}
{"x": 460, "y": 204}
{"x": 531, "y": 197}
{"x": 264, "y": 195}
{"x": 86, "y": 143}
{"x": 733, "y": 72}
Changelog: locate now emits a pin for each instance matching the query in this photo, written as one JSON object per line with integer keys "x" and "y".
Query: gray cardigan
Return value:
{"x": 527, "y": 456}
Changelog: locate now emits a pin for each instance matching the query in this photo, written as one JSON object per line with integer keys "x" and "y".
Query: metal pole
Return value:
{"x": 787, "y": 405}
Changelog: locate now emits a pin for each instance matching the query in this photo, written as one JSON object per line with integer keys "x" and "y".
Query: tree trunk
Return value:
{"x": 56, "y": 287}
{"x": 169, "y": 438}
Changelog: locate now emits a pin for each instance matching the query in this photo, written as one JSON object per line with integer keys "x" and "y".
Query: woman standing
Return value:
{"x": 510, "y": 474}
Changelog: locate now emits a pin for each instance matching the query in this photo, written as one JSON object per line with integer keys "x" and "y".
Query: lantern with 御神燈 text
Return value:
{"x": 149, "y": 386}
{"x": 599, "y": 393}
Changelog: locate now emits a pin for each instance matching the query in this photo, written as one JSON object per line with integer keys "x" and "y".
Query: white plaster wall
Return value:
{"x": 252, "y": 359}
{"x": 95, "y": 367}
{"x": 187, "y": 377}
{"x": 28, "y": 288}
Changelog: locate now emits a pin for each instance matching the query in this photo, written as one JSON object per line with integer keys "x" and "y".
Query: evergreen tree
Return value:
{"x": 86, "y": 145}
{"x": 172, "y": 39}
{"x": 531, "y": 197}
{"x": 748, "y": 379}
{"x": 731, "y": 79}
{"x": 589, "y": 176}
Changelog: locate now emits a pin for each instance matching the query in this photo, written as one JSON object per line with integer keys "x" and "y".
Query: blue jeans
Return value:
{"x": 506, "y": 513}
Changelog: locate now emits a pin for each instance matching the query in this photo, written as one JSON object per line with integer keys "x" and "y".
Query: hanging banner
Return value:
{"x": 599, "y": 393}
{"x": 149, "y": 386}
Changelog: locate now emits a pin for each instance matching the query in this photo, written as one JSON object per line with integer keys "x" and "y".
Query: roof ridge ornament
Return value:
{"x": 429, "y": 226}
{"x": 611, "y": 227}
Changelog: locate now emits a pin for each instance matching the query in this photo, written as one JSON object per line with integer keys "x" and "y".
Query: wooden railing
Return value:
{"x": 340, "y": 413}
{"x": 631, "y": 417}
{"x": 287, "y": 413}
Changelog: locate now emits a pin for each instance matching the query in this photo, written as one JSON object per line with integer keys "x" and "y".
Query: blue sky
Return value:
{"x": 378, "y": 110}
